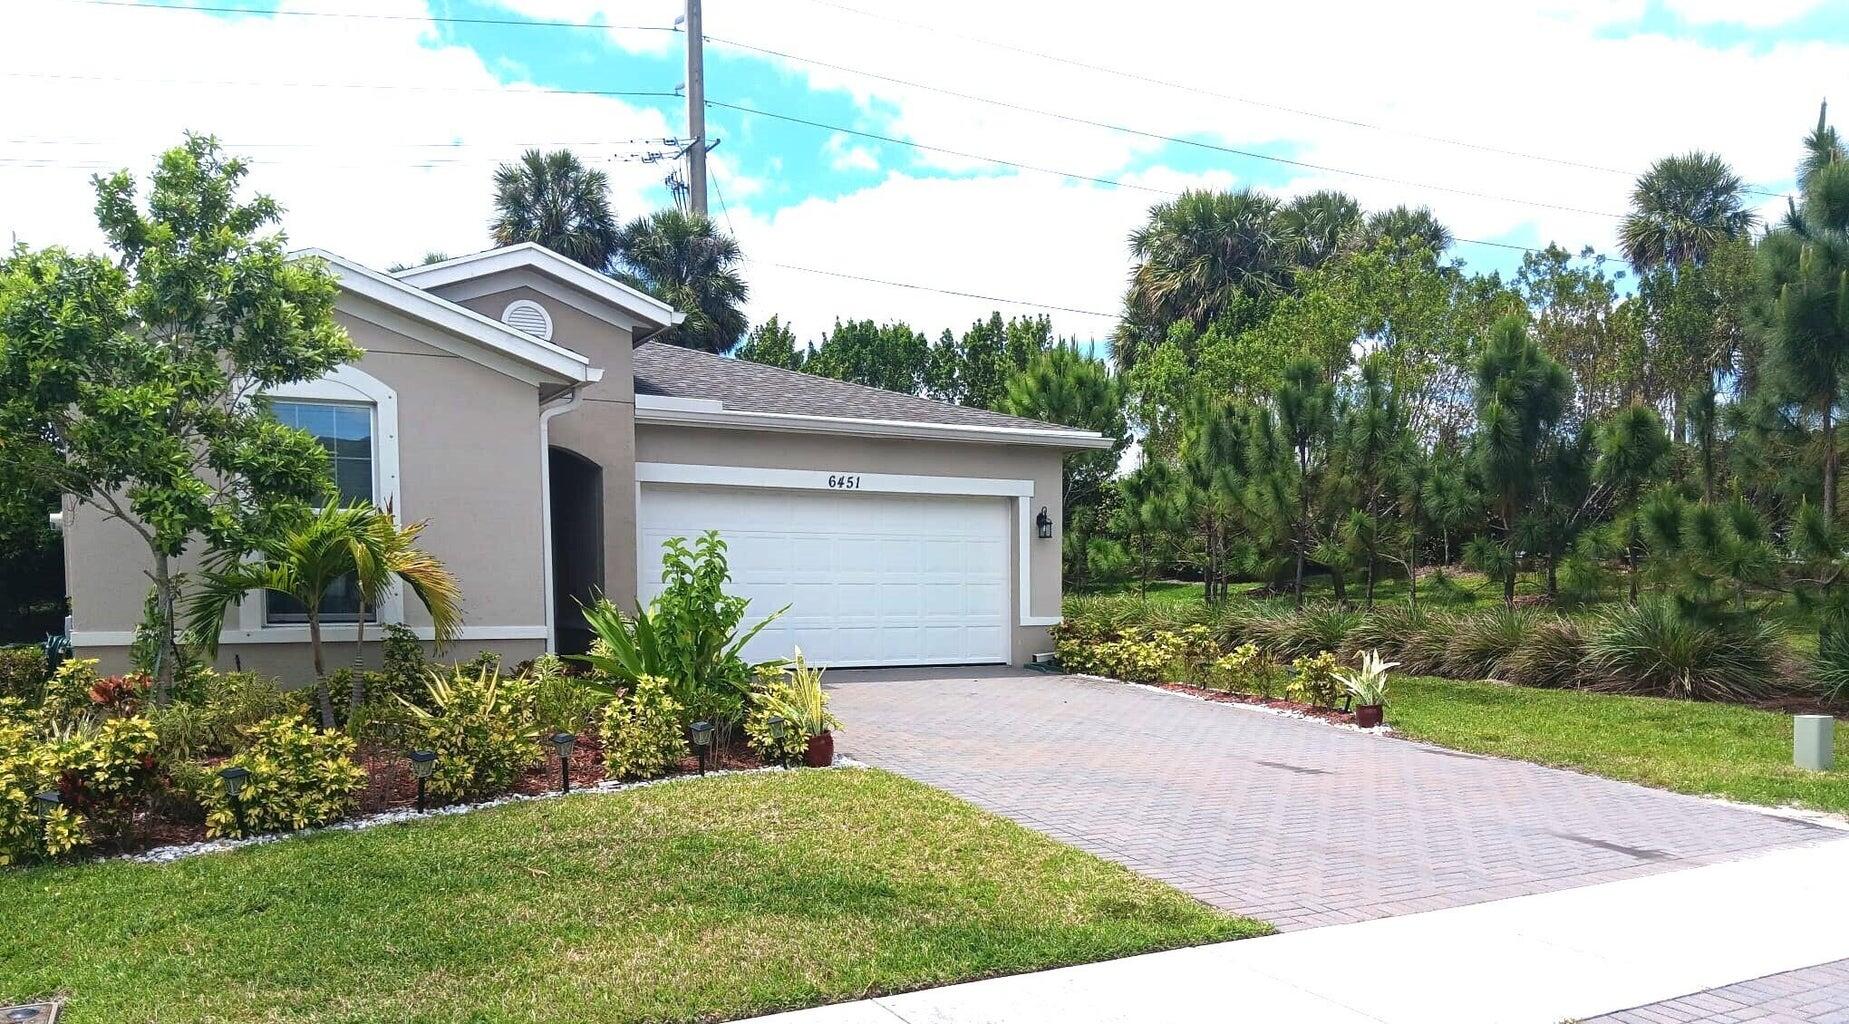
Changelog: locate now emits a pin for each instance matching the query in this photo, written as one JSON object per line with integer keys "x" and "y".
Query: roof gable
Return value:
{"x": 633, "y": 307}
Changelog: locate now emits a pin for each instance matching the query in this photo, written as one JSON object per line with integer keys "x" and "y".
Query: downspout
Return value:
{"x": 572, "y": 400}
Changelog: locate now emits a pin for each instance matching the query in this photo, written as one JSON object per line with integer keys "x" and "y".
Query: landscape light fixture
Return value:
{"x": 562, "y": 742}
{"x": 702, "y": 742}
{"x": 778, "y": 730}
{"x": 423, "y": 765}
{"x": 1045, "y": 523}
{"x": 234, "y": 778}
{"x": 20, "y": 1013}
{"x": 45, "y": 803}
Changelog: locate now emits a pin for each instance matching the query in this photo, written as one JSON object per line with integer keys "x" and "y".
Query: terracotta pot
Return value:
{"x": 1367, "y": 716}
{"x": 821, "y": 752}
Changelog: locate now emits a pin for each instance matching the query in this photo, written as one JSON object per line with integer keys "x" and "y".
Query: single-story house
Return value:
{"x": 513, "y": 399}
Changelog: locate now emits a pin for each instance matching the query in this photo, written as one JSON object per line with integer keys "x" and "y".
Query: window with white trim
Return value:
{"x": 345, "y": 429}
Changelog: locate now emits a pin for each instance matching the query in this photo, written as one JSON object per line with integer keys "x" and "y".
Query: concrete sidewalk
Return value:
{"x": 1539, "y": 959}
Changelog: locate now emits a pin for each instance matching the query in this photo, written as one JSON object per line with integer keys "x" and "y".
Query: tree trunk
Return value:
{"x": 1412, "y": 571}
{"x": 1630, "y": 560}
{"x": 1508, "y": 580}
{"x": 322, "y": 697}
{"x": 1829, "y": 462}
{"x": 358, "y": 691}
{"x": 1370, "y": 578}
{"x": 166, "y": 652}
{"x": 1553, "y": 577}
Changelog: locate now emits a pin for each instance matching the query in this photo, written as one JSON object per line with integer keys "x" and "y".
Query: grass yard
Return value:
{"x": 1724, "y": 750}
{"x": 701, "y": 899}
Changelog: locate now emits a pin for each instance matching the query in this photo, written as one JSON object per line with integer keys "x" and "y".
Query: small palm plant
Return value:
{"x": 359, "y": 540}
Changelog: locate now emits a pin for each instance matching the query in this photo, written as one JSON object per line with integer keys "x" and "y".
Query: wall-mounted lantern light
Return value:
{"x": 1045, "y": 523}
{"x": 702, "y": 742}
{"x": 423, "y": 765}
{"x": 562, "y": 743}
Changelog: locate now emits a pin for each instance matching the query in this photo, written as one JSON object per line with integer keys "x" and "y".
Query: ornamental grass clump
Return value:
{"x": 1482, "y": 640}
{"x": 1653, "y": 649}
{"x": 1552, "y": 655}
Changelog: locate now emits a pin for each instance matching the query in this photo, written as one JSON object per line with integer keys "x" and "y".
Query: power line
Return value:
{"x": 1181, "y": 140}
{"x": 499, "y": 90}
{"x": 1236, "y": 98}
{"x": 369, "y": 16}
{"x": 940, "y": 291}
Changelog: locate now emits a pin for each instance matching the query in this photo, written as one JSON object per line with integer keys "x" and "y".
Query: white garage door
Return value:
{"x": 871, "y": 579}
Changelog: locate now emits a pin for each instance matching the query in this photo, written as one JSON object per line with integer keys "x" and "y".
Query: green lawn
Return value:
{"x": 701, "y": 899}
{"x": 1710, "y": 749}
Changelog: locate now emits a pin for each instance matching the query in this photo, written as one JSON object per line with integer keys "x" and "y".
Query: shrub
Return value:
{"x": 1481, "y": 641}
{"x": 1830, "y": 669}
{"x": 1244, "y": 670}
{"x": 1652, "y": 649}
{"x": 1422, "y": 650}
{"x": 1551, "y": 655}
{"x": 107, "y": 770}
{"x": 481, "y": 728}
{"x": 797, "y": 697}
{"x": 120, "y": 693}
{"x": 300, "y": 777}
{"x": 1313, "y": 680}
{"x": 642, "y": 732}
{"x": 214, "y": 721}
{"x": 562, "y": 702}
{"x": 28, "y": 766}
{"x": 67, "y": 695}
{"x": 402, "y": 660}
{"x": 23, "y": 673}
{"x": 1387, "y": 629}
{"x": 1313, "y": 630}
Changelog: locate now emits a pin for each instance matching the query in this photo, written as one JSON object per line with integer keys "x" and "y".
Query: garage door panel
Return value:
{"x": 872, "y": 579}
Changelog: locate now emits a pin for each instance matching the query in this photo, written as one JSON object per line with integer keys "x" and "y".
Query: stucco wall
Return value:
{"x": 468, "y": 455}
{"x": 789, "y": 450}
{"x": 602, "y": 428}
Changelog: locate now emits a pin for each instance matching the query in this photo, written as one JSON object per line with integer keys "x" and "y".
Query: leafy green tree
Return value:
{"x": 890, "y": 356}
{"x": 1062, "y": 385}
{"x": 1320, "y": 226}
{"x": 1306, "y": 419}
{"x": 1521, "y": 394}
{"x": 1806, "y": 266}
{"x": 684, "y": 260}
{"x": 556, "y": 201}
{"x": 772, "y": 344}
{"x": 1633, "y": 450}
{"x": 125, "y": 381}
{"x": 1579, "y": 320}
{"x": 1370, "y": 431}
{"x": 358, "y": 541}
{"x": 1449, "y": 498}
{"x": 1149, "y": 516}
{"x": 1214, "y": 471}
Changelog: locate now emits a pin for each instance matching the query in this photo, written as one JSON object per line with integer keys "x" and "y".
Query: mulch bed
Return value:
{"x": 1277, "y": 703}
{"x": 390, "y": 786}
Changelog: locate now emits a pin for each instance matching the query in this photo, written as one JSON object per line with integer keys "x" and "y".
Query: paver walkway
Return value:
{"x": 1809, "y": 995}
{"x": 1294, "y": 822}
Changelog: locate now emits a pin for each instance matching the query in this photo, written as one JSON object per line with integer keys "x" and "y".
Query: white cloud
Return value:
{"x": 380, "y": 175}
{"x": 846, "y": 156}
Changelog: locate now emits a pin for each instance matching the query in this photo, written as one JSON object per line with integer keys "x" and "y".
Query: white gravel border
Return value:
{"x": 169, "y": 854}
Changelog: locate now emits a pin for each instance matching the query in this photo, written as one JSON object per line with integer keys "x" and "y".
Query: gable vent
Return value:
{"x": 529, "y": 316}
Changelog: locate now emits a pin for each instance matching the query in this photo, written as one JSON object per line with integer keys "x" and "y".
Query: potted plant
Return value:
{"x": 1368, "y": 685}
{"x": 802, "y": 704}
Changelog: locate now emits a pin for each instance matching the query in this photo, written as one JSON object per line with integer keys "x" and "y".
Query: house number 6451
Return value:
{"x": 844, "y": 481}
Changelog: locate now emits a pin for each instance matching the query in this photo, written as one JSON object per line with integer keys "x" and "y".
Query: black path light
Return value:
{"x": 43, "y": 804}
{"x": 702, "y": 742}
{"x": 234, "y": 778}
{"x": 1045, "y": 523}
{"x": 779, "y": 728}
{"x": 423, "y": 765}
{"x": 562, "y": 744}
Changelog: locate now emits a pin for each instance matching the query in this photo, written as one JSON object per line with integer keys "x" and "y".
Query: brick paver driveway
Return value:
{"x": 1294, "y": 822}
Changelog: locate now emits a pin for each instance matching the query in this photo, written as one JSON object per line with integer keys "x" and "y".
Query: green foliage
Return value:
{"x": 1244, "y": 669}
{"x": 1367, "y": 683}
{"x": 1551, "y": 654}
{"x": 889, "y": 356}
{"x": 797, "y": 697}
{"x": 215, "y": 721}
{"x": 1652, "y": 649}
{"x": 1313, "y": 630}
{"x": 1480, "y": 642}
{"x": 23, "y": 672}
{"x": 402, "y": 656}
{"x": 481, "y": 727}
{"x": 122, "y": 377}
{"x": 643, "y": 733}
{"x": 1060, "y": 385}
{"x": 300, "y": 778}
{"x": 772, "y": 343}
{"x": 689, "y": 637}
{"x": 1315, "y": 680}
{"x": 29, "y": 766}
{"x": 683, "y": 259}
{"x": 556, "y": 201}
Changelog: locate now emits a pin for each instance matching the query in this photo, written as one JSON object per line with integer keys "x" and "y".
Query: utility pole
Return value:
{"x": 696, "y": 108}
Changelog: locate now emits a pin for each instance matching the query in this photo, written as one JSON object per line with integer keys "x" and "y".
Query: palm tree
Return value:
{"x": 1681, "y": 209}
{"x": 554, "y": 200}
{"x": 685, "y": 261}
{"x": 1805, "y": 264}
{"x": 1320, "y": 226}
{"x": 1404, "y": 227}
{"x": 304, "y": 563}
{"x": 1195, "y": 258}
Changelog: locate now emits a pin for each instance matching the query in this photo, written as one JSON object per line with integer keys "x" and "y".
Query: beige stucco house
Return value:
{"x": 513, "y": 400}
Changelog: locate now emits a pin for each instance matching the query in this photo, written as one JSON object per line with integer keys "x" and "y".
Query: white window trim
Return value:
{"x": 1020, "y": 492}
{"x": 353, "y": 386}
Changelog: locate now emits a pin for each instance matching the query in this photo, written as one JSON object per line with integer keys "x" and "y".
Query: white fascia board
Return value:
{"x": 906, "y": 429}
{"x": 679, "y": 404}
{"x": 825, "y": 480}
{"x": 538, "y": 257}
{"x": 556, "y": 361}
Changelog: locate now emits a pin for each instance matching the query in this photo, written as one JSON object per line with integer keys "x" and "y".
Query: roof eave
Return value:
{"x": 532, "y": 256}
{"x": 734, "y": 419}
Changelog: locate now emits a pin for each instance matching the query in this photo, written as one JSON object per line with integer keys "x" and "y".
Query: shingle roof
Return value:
{"x": 675, "y": 372}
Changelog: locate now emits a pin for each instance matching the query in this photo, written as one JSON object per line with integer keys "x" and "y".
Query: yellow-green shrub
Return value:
{"x": 481, "y": 727}
{"x": 1313, "y": 681}
{"x": 642, "y": 736}
{"x": 1245, "y": 669}
{"x": 23, "y": 672}
{"x": 27, "y": 767}
{"x": 300, "y": 777}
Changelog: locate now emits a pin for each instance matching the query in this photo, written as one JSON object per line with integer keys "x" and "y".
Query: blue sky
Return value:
{"x": 1610, "y": 83}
